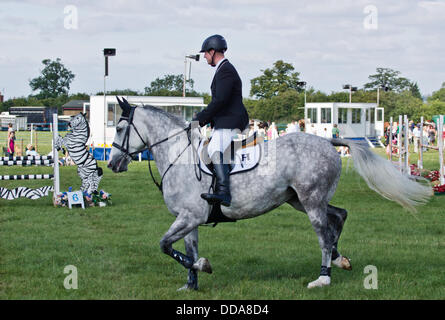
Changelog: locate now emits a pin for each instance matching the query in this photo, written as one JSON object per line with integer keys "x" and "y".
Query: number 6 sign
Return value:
{"x": 75, "y": 198}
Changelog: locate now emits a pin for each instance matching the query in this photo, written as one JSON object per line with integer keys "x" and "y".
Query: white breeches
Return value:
{"x": 221, "y": 139}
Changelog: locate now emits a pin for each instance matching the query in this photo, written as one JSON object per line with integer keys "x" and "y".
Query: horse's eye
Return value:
{"x": 118, "y": 129}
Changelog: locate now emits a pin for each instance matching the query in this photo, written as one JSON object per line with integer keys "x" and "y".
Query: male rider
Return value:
{"x": 225, "y": 113}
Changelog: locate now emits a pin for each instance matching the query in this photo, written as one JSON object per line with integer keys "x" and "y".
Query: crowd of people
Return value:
{"x": 269, "y": 131}
{"x": 428, "y": 136}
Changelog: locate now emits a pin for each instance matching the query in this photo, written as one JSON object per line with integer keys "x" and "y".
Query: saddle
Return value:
{"x": 244, "y": 155}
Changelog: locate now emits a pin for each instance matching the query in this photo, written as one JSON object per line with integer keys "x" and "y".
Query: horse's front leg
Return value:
{"x": 191, "y": 247}
{"x": 186, "y": 227}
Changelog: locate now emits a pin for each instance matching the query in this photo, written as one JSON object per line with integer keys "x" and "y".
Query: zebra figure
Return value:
{"x": 75, "y": 142}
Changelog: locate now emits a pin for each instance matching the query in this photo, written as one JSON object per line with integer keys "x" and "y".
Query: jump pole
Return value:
{"x": 420, "y": 161}
{"x": 440, "y": 145}
{"x": 55, "y": 157}
{"x": 405, "y": 129}
{"x": 390, "y": 138}
{"x": 399, "y": 142}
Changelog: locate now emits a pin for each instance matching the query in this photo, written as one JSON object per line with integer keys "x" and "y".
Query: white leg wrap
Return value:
{"x": 320, "y": 282}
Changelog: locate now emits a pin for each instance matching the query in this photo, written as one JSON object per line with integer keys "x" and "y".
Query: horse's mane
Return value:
{"x": 175, "y": 119}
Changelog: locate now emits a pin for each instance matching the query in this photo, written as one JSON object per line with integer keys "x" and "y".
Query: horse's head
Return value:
{"x": 127, "y": 141}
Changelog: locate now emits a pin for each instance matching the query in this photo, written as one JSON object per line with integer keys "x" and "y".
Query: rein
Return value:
{"x": 159, "y": 185}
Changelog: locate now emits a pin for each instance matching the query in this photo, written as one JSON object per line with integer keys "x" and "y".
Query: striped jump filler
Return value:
{"x": 28, "y": 177}
{"x": 26, "y": 163}
{"x": 29, "y": 161}
{"x": 26, "y": 158}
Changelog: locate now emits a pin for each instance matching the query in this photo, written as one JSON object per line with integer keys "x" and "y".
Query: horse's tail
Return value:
{"x": 384, "y": 178}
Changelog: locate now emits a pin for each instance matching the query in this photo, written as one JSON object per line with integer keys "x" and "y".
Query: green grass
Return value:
{"x": 116, "y": 248}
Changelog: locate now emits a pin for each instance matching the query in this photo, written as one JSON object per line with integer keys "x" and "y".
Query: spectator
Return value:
{"x": 325, "y": 133}
{"x": 344, "y": 151}
{"x": 272, "y": 132}
{"x": 11, "y": 143}
{"x": 291, "y": 127}
{"x": 410, "y": 131}
{"x": 301, "y": 124}
{"x": 10, "y": 128}
{"x": 390, "y": 150}
{"x": 251, "y": 130}
{"x": 313, "y": 130}
{"x": 425, "y": 138}
{"x": 335, "y": 131}
{"x": 431, "y": 135}
{"x": 31, "y": 151}
{"x": 261, "y": 131}
{"x": 67, "y": 159}
{"x": 416, "y": 138}
{"x": 387, "y": 134}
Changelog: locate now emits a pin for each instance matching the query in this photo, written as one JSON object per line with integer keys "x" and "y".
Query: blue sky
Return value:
{"x": 329, "y": 42}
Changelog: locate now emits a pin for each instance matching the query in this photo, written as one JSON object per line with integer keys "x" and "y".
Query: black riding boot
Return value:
{"x": 222, "y": 188}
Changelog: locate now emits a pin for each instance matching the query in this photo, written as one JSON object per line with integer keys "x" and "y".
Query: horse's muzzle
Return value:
{"x": 118, "y": 166}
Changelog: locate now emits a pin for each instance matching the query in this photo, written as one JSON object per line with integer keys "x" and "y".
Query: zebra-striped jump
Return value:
{"x": 32, "y": 160}
{"x": 26, "y": 158}
{"x": 27, "y": 177}
{"x": 26, "y": 163}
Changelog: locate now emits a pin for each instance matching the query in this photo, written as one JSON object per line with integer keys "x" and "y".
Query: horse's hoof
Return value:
{"x": 322, "y": 281}
{"x": 187, "y": 287}
{"x": 203, "y": 264}
{"x": 343, "y": 263}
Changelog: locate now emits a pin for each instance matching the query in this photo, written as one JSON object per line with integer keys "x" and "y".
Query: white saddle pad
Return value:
{"x": 245, "y": 159}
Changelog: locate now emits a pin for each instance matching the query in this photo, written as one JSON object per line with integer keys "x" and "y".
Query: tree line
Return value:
{"x": 277, "y": 94}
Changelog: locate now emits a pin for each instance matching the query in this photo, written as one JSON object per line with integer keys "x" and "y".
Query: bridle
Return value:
{"x": 124, "y": 148}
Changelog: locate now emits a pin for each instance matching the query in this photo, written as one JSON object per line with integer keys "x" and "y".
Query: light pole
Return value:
{"x": 108, "y": 52}
{"x": 194, "y": 57}
{"x": 303, "y": 84}
{"x": 378, "y": 92}
{"x": 351, "y": 88}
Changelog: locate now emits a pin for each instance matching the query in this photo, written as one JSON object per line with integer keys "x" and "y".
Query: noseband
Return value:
{"x": 124, "y": 148}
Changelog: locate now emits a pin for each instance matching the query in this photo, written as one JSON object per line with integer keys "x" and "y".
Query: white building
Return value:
{"x": 104, "y": 116}
{"x": 18, "y": 123}
{"x": 354, "y": 120}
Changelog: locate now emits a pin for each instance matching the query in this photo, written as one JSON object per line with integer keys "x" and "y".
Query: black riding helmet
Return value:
{"x": 215, "y": 42}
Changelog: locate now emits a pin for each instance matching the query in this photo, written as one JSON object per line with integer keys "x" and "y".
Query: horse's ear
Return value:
{"x": 121, "y": 103}
{"x": 126, "y": 103}
{"x": 126, "y": 108}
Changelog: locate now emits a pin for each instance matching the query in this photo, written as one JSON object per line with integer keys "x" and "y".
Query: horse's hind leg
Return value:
{"x": 317, "y": 213}
{"x": 336, "y": 219}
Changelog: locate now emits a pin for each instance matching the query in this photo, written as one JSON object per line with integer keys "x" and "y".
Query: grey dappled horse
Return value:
{"x": 300, "y": 169}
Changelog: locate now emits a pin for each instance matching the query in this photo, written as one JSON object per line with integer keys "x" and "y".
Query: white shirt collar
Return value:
{"x": 219, "y": 64}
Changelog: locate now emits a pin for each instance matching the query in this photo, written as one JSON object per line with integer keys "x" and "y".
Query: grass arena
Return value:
{"x": 116, "y": 249}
